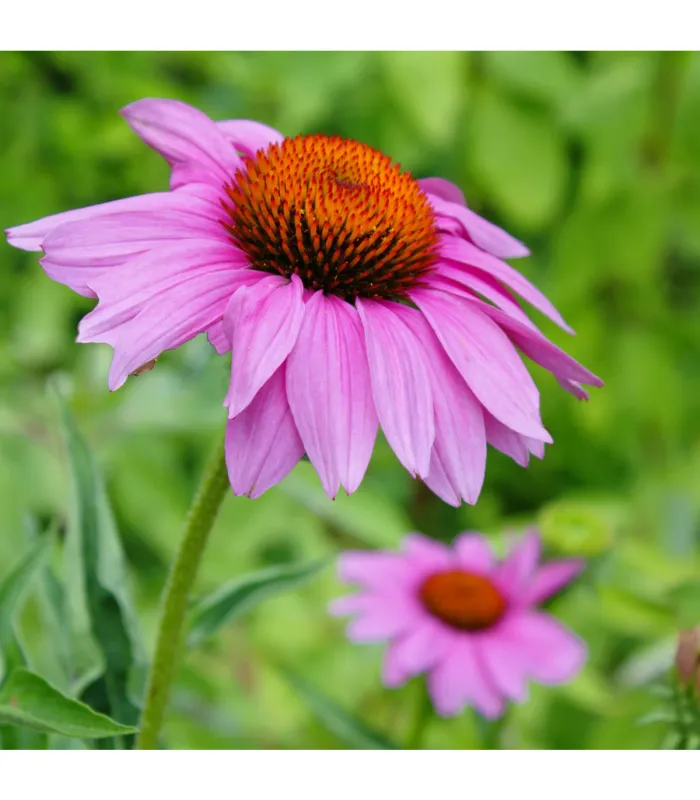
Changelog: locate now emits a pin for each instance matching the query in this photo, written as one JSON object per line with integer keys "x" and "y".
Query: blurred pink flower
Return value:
{"x": 471, "y": 623}
{"x": 351, "y": 296}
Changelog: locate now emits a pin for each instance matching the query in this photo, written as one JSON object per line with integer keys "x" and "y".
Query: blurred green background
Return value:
{"x": 593, "y": 159}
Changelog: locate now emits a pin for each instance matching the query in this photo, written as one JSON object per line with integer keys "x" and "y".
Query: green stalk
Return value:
{"x": 201, "y": 517}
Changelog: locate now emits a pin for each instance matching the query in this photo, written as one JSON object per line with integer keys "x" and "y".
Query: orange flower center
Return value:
{"x": 336, "y": 213}
{"x": 463, "y": 600}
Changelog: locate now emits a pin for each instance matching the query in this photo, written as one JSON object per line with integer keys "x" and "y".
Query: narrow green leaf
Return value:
{"x": 28, "y": 701}
{"x": 242, "y": 594}
{"x": 97, "y": 596}
{"x": 13, "y": 589}
{"x": 350, "y": 730}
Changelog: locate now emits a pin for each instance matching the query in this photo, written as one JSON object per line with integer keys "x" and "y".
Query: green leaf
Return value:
{"x": 366, "y": 516}
{"x": 519, "y": 157}
{"x": 350, "y": 730}
{"x": 13, "y": 589}
{"x": 550, "y": 76}
{"x": 28, "y": 701}
{"x": 241, "y": 595}
{"x": 96, "y": 590}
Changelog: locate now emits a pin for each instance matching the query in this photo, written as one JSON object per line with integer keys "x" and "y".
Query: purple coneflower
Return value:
{"x": 350, "y": 294}
{"x": 468, "y": 621}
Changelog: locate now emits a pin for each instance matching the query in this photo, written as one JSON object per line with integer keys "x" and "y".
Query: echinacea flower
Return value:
{"x": 350, "y": 295}
{"x": 467, "y": 620}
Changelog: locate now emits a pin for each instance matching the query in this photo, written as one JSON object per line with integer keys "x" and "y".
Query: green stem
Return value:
{"x": 211, "y": 492}
{"x": 424, "y": 711}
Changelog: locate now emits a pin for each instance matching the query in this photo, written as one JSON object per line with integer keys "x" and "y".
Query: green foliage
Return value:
{"x": 28, "y": 701}
{"x": 241, "y": 595}
{"x": 592, "y": 159}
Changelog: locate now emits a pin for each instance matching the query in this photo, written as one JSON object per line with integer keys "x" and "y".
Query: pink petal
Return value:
{"x": 550, "y": 578}
{"x": 484, "y": 284}
{"x": 427, "y": 554}
{"x": 189, "y": 141}
{"x": 418, "y": 650}
{"x": 401, "y": 383}
{"x": 540, "y": 349}
{"x": 381, "y": 618}
{"x": 381, "y": 572}
{"x": 261, "y": 322}
{"x": 486, "y": 360}
{"x": 218, "y": 339}
{"x": 262, "y": 443}
{"x": 445, "y": 190}
{"x": 549, "y": 652}
{"x": 151, "y": 276}
{"x": 504, "y": 665}
{"x": 459, "y": 250}
{"x": 507, "y": 441}
{"x": 30, "y": 235}
{"x": 458, "y": 458}
{"x": 573, "y": 388}
{"x": 249, "y": 136}
{"x": 517, "y": 571}
{"x": 484, "y": 234}
{"x": 473, "y": 552}
{"x": 329, "y": 393}
{"x": 461, "y": 679}
{"x": 188, "y": 294}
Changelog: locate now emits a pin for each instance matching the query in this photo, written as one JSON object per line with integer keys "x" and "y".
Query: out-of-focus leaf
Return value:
{"x": 519, "y": 158}
{"x": 350, "y": 730}
{"x": 97, "y": 592}
{"x": 575, "y": 528}
{"x": 28, "y": 701}
{"x": 241, "y": 595}
{"x": 550, "y": 76}
{"x": 12, "y": 591}
{"x": 365, "y": 515}
{"x": 429, "y": 89}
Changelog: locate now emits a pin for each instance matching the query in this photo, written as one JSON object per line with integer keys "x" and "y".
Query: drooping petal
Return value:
{"x": 401, "y": 383}
{"x": 486, "y": 360}
{"x": 249, "y": 136}
{"x": 507, "y": 440}
{"x": 537, "y": 347}
{"x": 444, "y": 189}
{"x": 31, "y": 235}
{"x": 550, "y": 578}
{"x": 461, "y": 679}
{"x": 518, "y": 569}
{"x": 149, "y": 276}
{"x": 573, "y": 388}
{"x": 193, "y": 145}
{"x": 218, "y": 339}
{"x": 142, "y": 313}
{"x": 481, "y": 282}
{"x": 473, "y": 552}
{"x": 458, "y": 459}
{"x": 330, "y": 394}
{"x": 262, "y": 323}
{"x": 262, "y": 442}
{"x": 550, "y": 653}
{"x": 484, "y": 234}
{"x": 460, "y": 251}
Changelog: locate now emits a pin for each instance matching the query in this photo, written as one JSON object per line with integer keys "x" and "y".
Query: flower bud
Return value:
{"x": 688, "y": 657}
